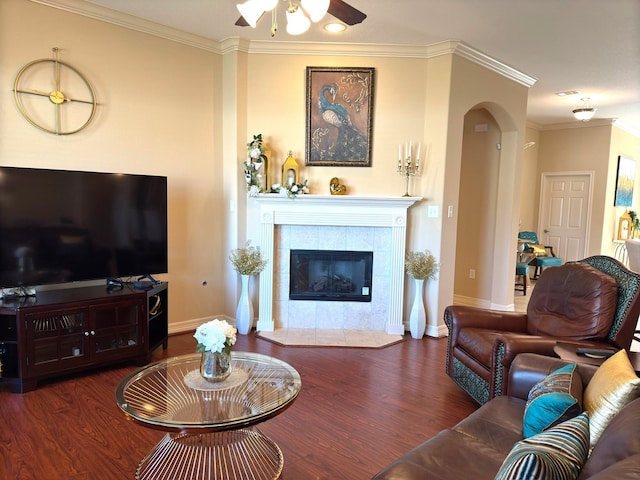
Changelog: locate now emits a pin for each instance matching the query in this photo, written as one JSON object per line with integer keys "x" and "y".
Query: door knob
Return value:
{"x": 546, "y": 231}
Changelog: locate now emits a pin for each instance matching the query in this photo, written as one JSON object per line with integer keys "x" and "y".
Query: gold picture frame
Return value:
{"x": 339, "y": 116}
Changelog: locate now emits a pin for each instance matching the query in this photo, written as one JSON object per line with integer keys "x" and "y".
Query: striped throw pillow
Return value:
{"x": 558, "y": 453}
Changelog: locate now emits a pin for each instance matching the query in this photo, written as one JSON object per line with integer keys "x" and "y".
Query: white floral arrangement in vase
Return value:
{"x": 215, "y": 336}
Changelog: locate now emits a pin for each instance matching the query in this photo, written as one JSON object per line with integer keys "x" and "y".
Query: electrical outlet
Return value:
{"x": 472, "y": 273}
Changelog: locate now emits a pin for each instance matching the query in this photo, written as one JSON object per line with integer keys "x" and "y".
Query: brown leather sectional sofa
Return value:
{"x": 476, "y": 447}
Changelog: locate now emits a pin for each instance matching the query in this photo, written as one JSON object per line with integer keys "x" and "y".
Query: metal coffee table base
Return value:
{"x": 245, "y": 454}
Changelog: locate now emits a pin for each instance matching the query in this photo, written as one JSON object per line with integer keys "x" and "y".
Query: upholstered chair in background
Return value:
{"x": 545, "y": 256}
{"x": 592, "y": 302}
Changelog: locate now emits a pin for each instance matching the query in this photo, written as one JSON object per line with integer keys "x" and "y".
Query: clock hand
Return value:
{"x": 33, "y": 92}
{"x": 48, "y": 95}
{"x": 56, "y": 70}
{"x": 57, "y": 119}
{"x": 78, "y": 100}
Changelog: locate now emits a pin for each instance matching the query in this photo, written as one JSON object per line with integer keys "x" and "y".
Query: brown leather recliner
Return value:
{"x": 594, "y": 302}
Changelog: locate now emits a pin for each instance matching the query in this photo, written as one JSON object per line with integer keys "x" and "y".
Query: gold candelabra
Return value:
{"x": 407, "y": 164}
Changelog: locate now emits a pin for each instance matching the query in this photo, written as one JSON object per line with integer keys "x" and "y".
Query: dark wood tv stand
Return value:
{"x": 69, "y": 330}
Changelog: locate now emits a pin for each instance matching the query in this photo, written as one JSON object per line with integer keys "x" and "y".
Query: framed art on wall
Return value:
{"x": 339, "y": 116}
{"x": 625, "y": 179}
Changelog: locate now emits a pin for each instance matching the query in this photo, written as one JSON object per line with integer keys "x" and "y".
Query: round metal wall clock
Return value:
{"x": 54, "y": 96}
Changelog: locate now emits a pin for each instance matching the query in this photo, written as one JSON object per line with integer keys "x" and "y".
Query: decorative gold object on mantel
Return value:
{"x": 289, "y": 171}
{"x": 624, "y": 226}
{"x": 335, "y": 188}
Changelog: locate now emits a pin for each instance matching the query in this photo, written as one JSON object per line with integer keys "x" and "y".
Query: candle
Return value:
{"x": 410, "y": 147}
{"x": 399, "y": 152}
{"x": 418, "y": 154}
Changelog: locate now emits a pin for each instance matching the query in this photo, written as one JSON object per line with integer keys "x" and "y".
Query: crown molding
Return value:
{"x": 600, "y": 122}
{"x": 476, "y": 56}
{"x": 627, "y": 128}
{"x": 275, "y": 47}
{"x": 448, "y": 47}
{"x": 131, "y": 22}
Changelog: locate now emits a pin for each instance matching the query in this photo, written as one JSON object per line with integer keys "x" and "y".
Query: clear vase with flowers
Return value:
{"x": 215, "y": 339}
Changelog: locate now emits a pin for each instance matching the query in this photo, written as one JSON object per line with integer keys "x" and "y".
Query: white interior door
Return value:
{"x": 565, "y": 206}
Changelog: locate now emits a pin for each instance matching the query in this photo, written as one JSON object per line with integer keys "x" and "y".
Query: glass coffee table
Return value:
{"x": 211, "y": 426}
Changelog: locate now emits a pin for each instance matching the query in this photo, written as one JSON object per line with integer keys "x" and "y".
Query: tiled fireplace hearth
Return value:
{"x": 325, "y": 222}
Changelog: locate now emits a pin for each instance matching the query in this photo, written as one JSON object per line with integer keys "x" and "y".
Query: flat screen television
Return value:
{"x": 59, "y": 226}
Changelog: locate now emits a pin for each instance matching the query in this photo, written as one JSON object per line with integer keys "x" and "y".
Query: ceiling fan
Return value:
{"x": 337, "y": 8}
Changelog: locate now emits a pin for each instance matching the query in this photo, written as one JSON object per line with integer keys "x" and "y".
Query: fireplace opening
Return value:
{"x": 330, "y": 275}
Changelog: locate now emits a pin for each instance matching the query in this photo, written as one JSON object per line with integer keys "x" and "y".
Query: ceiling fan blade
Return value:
{"x": 345, "y": 12}
{"x": 241, "y": 22}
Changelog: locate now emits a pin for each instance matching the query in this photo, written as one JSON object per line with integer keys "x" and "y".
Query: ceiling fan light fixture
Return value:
{"x": 297, "y": 22}
{"x": 315, "y": 8}
{"x": 335, "y": 27}
{"x": 251, "y": 11}
{"x": 268, "y": 4}
{"x": 585, "y": 112}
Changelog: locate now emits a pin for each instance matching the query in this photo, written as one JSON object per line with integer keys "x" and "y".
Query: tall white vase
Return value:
{"x": 244, "y": 312}
{"x": 418, "y": 316}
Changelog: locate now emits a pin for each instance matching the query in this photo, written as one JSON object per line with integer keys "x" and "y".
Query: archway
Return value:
{"x": 487, "y": 209}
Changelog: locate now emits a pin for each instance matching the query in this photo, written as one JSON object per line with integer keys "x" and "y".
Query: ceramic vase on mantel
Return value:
{"x": 418, "y": 315}
{"x": 215, "y": 366}
{"x": 244, "y": 312}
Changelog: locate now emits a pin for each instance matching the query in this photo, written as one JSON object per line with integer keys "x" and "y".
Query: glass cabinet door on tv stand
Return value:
{"x": 55, "y": 336}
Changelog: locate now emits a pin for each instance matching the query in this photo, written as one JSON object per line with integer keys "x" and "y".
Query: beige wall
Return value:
{"x": 186, "y": 112}
{"x": 627, "y": 145}
{"x": 582, "y": 149}
{"x": 476, "y": 87}
{"x": 477, "y": 206}
{"x": 159, "y": 107}
{"x": 530, "y": 183}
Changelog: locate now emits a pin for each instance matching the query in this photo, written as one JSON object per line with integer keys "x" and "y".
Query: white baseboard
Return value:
{"x": 437, "y": 331}
{"x": 471, "y": 301}
{"x": 191, "y": 325}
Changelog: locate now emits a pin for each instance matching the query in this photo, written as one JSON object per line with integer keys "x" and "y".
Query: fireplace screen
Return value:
{"x": 330, "y": 275}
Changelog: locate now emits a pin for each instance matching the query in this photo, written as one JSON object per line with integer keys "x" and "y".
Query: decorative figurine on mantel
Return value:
{"x": 335, "y": 188}
{"x": 289, "y": 171}
{"x": 290, "y": 185}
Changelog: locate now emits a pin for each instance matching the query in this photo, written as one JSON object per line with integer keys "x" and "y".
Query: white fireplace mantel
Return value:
{"x": 335, "y": 210}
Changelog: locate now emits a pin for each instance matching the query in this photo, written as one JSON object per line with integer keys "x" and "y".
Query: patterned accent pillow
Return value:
{"x": 554, "y": 399}
{"x": 558, "y": 453}
{"x": 614, "y": 384}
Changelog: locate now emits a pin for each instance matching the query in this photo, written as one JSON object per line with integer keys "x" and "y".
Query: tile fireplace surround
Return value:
{"x": 326, "y": 222}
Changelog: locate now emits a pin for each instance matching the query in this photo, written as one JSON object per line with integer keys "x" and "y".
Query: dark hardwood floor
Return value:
{"x": 358, "y": 410}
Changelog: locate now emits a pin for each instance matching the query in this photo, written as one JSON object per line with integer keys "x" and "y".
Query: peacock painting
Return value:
{"x": 339, "y": 121}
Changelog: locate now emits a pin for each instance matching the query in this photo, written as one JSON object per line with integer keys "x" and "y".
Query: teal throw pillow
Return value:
{"x": 558, "y": 453}
{"x": 556, "y": 398}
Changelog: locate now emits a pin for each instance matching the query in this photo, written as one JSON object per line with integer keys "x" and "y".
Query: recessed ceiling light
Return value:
{"x": 567, "y": 93}
{"x": 335, "y": 27}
